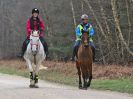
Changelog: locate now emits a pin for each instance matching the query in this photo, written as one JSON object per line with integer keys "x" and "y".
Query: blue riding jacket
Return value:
{"x": 87, "y": 27}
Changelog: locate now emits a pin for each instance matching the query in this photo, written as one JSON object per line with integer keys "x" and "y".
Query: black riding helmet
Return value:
{"x": 35, "y": 10}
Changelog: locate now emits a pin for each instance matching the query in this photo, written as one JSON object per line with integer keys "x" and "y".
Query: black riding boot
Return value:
{"x": 93, "y": 51}
{"x": 45, "y": 46}
{"x": 74, "y": 53}
{"x": 24, "y": 46}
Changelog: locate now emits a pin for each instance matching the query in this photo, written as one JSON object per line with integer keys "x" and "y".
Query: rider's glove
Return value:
{"x": 84, "y": 31}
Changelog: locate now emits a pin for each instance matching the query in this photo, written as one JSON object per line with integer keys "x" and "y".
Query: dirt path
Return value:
{"x": 15, "y": 87}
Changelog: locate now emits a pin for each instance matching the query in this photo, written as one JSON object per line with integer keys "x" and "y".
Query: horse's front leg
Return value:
{"x": 85, "y": 82}
{"x": 31, "y": 73}
{"x": 90, "y": 75}
{"x": 36, "y": 73}
{"x": 79, "y": 74}
{"x": 84, "y": 76}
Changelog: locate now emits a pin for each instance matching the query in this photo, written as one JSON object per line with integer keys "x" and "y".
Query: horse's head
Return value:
{"x": 85, "y": 39}
{"x": 34, "y": 41}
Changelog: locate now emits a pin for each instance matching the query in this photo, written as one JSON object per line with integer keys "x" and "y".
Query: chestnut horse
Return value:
{"x": 84, "y": 62}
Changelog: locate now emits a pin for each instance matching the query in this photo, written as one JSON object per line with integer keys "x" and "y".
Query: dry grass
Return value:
{"x": 69, "y": 69}
{"x": 13, "y": 63}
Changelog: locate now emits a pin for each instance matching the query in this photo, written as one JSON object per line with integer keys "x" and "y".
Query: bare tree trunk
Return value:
{"x": 113, "y": 3}
{"x": 129, "y": 22}
{"x": 73, "y": 13}
{"x": 101, "y": 49}
{"x": 48, "y": 21}
{"x": 82, "y": 6}
{"x": 108, "y": 39}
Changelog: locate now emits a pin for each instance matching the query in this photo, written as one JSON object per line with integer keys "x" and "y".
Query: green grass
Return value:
{"x": 120, "y": 85}
{"x": 13, "y": 71}
{"x": 57, "y": 77}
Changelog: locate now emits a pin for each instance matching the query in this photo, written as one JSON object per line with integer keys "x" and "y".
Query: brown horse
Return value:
{"x": 84, "y": 62}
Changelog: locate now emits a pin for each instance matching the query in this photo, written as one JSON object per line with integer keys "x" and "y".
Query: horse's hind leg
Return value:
{"x": 79, "y": 74}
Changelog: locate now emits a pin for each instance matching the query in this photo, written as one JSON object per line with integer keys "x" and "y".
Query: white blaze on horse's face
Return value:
{"x": 34, "y": 41}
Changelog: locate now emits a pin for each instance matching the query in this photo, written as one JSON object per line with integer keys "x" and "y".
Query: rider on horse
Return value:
{"x": 34, "y": 23}
{"x": 84, "y": 26}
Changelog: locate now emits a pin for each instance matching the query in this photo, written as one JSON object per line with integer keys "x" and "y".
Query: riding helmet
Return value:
{"x": 35, "y": 10}
{"x": 84, "y": 16}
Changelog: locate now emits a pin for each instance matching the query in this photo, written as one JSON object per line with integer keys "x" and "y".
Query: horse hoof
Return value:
{"x": 80, "y": 87}
{"x": 88, "y": 85}
{"x": 31, "y": 86}
{"x": 36, "y": 86}
{"x": 84, "y": 88}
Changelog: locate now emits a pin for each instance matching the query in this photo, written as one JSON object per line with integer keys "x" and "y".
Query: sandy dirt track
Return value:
{"x": 15, "y": 87}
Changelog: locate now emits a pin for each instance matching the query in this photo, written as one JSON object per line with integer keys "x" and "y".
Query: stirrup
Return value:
{"x": 72, "y": 59}
{"x": 20, "y": 55}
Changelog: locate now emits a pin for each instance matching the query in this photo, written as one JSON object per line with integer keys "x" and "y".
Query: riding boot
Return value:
{"x": 75, "y": 50}
{"x": 45, "y": 46}
{"x": 74, "y": 54}
{"x": 23, "y": 50}
{"x": 24, "y": 46}
{"x": 46, "y": 49}
{"x": 93, "y": 51}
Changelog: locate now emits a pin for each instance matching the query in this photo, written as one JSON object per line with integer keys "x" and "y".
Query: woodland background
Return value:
{"x": 111, "y": 19}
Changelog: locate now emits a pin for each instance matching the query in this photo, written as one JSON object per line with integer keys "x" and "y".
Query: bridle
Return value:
{"x": 85, "y": 39}
{"x": 34, "y": 44}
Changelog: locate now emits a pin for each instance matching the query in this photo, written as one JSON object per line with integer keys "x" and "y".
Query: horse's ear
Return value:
{"x": 38, "y": 31}
{"x": 82, "y": 31}
{"x": 31, "y": 31}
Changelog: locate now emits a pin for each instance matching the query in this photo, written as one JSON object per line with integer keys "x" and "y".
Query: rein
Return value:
{"x": 34, "y": 35}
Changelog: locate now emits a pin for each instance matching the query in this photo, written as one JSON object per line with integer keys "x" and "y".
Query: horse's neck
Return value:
{"x": 28, "y": 47}
{"x": 84, "y": 53}
{"x": 83, "y": 49}
{"x": 39, "y": 50}
{"x": 40, "y": 44}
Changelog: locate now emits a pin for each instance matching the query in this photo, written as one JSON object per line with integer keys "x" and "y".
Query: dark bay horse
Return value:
{"x": 84, "y": 62}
